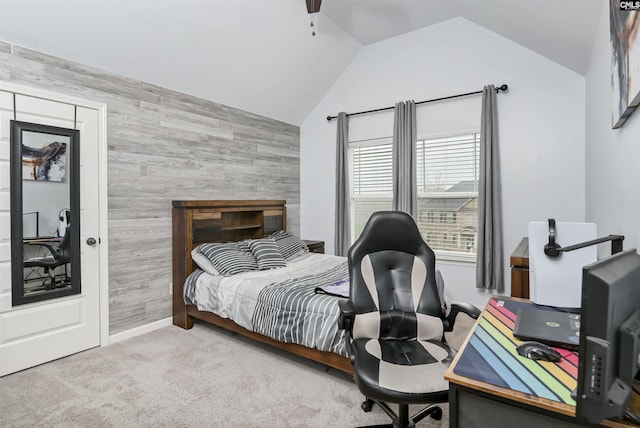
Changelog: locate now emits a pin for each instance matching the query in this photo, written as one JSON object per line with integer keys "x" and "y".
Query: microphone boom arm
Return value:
{"x": 616, "y": 244}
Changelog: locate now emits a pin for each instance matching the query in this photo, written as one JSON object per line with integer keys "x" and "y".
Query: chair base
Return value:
{"x": 402, "y": 418}
{"x": 50, "y": 282}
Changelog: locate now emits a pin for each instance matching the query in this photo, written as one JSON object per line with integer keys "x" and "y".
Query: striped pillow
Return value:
{"x": 267, "y": 253}
{"x": 244, "y": 245}
{"x": 229, "y": 259}
{"x": 289, "y": 245}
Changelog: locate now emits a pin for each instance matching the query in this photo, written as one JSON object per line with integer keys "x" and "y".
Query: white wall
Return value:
{"x": 48, "y": 198}
{"x": 541, "y": 121}
{"x": 612, "y": 155}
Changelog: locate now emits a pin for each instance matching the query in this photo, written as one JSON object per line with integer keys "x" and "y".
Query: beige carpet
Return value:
{"x": 202, "y": 377}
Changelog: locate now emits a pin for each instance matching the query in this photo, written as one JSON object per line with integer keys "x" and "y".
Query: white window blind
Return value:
{"x": 447, "y": 180}
{"x": 372, "y": 185}
{"x": 447, "y": 175}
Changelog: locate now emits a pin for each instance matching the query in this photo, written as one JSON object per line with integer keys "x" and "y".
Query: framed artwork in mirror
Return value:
{"x": 45, "y": 212}
{"x": 44, "y": 156}
{"x": 624, "y": 25}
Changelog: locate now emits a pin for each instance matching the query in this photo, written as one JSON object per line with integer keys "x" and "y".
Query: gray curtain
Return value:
{"x": 489, "y": 266}
{"x": 405, "y": 194}
{"x": 343, "y": 210}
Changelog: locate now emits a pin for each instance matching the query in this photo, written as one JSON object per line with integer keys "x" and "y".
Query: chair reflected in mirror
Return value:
{"x": 50, "y": 257}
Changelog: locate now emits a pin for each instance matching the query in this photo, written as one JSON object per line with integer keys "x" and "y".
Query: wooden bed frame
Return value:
{"x": 196, "y": 222}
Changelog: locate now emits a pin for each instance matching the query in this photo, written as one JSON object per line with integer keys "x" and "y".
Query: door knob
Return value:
{"x": 91, "y": 241}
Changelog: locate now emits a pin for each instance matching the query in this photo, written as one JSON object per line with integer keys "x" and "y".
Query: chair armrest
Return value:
{"x": 456, "y": 308}
{"x": 345, "y": 322}
{"x": 347, "y": 315}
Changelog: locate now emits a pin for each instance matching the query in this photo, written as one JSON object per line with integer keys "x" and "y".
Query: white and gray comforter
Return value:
{"x": 278, "y": 303}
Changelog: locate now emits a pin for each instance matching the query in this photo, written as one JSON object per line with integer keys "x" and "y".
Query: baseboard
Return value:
{"x": 137, "y": 331}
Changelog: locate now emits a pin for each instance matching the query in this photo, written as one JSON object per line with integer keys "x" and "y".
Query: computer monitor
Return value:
{"x": 609, "y": 337}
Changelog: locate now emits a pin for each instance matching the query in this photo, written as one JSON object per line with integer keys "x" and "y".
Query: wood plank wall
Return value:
{"x": 164, "y": 145}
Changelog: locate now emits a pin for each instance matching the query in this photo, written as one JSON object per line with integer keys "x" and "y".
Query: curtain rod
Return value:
{"x": 502, "y": 88}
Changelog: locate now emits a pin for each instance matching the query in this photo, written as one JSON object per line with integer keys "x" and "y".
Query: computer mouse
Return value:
{"x": 538, "y": 351}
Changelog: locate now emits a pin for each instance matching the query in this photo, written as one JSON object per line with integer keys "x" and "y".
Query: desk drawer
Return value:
{"x": 475, "y": 410}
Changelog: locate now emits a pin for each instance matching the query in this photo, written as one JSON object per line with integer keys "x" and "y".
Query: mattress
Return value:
{"x": 278, "y": 303}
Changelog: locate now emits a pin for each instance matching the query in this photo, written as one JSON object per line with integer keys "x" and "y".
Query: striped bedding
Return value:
{"x": 278, "y": 303}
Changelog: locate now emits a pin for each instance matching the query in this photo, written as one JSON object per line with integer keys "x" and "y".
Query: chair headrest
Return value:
{"x": 389, "y": 230}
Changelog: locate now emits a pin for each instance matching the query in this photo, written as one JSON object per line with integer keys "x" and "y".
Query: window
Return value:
{"x": 371, "y": 189}
{"x": 447, "y": 180}
{"x": 447, "y": 175}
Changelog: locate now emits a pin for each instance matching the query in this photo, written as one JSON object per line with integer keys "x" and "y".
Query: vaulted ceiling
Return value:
{"x": 259, "y": 55}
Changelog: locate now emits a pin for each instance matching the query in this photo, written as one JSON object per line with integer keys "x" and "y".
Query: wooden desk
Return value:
{"x": 491, "y": 385}
{"x": 47, "y": 239}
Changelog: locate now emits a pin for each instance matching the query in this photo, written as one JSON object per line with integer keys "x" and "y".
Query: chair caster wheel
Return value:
{"x": 436, "y": 414}
{"x": 367, "y": 405}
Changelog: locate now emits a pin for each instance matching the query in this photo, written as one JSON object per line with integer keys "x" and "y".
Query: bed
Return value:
{"x": 214, "y": 298}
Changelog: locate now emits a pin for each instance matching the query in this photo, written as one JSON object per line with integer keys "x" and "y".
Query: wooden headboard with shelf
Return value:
{"x": 196, "y": 222}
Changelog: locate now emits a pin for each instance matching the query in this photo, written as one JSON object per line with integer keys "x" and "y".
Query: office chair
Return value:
{"x": 59, "y": 256}
{"x": 395, "y": 319}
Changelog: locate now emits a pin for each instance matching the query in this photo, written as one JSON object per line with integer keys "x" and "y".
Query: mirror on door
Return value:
{"x": 45, "y": 212}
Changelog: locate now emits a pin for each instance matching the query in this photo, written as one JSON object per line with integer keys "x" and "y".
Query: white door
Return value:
{"x": 35, "y": 333}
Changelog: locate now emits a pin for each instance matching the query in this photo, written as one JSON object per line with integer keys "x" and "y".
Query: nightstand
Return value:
{"x": 315, "y": 246}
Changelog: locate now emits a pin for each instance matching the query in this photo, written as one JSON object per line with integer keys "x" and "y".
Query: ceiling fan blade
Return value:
{"x": 313, "y": 6}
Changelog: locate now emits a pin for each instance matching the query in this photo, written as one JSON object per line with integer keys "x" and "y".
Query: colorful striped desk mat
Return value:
{"x": 490, "y": 356}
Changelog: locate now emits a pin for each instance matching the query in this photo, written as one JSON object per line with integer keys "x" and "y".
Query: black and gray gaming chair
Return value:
{"x": 58, "y": 256}
{"x": 395, "y": 319}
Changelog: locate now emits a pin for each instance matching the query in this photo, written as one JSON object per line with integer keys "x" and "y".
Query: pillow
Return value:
{"x": 229, "y": 259}
{"x": 203, "y": 262}
{"x": 244, "y": 245}
{"x": 267, "y": 253}
{"x": 290, "y": 246}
